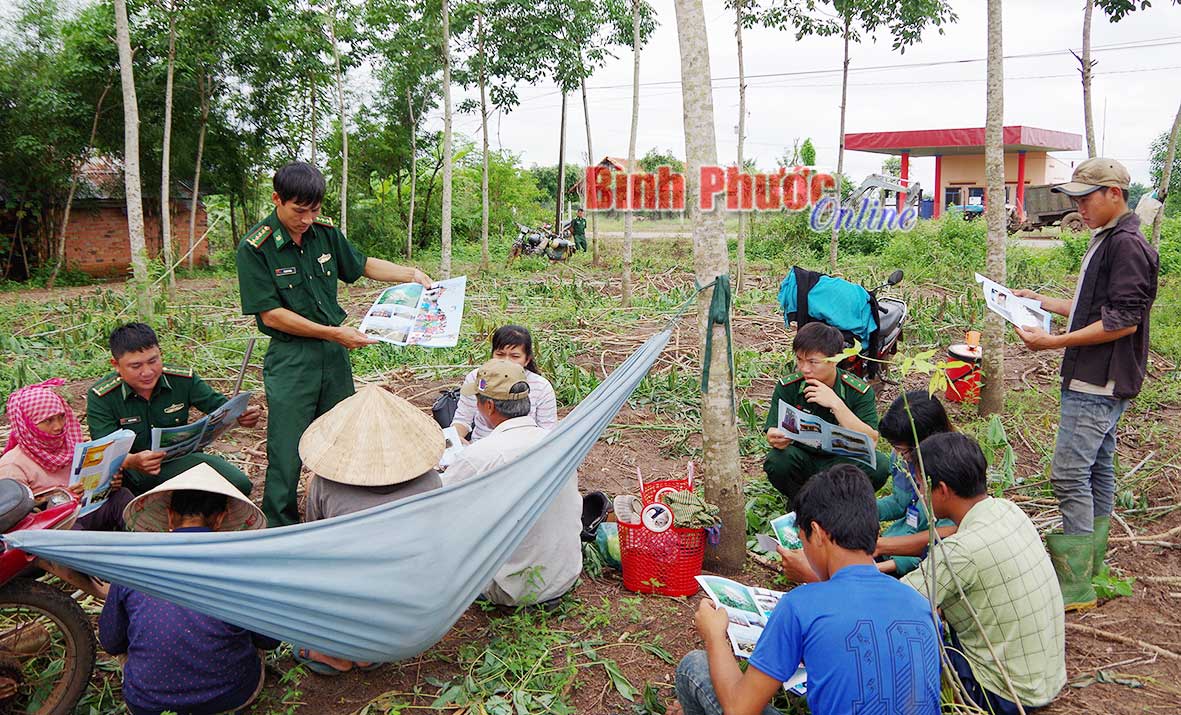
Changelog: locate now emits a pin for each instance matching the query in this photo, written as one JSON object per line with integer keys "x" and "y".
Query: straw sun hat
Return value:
{"x": 149, "y": 511}
{"x": 372, "y": 439}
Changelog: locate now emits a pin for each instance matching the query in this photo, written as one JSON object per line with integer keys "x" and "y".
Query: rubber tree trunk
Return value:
{"x": 483, "y": 78}
{"x": 166, "y": 159}
{"x": 561, "y": 167}
{"x": 723, "y": 479}
{"x": 590, "y": 160}
{"x": 60, "y": 256}
{"x": 835, "y": 240}
{"x": 445, "y": 219}
{"x": 312, "y": 117}
{"x": 344, "y": 131}
{"x": 413, "y": 176}
{"x": 992, "y": 395}
{"x": 132, "y": 187}
{"x": 1166, "y": 176}
{"x": 1085, "y": 61}
{"x": 740, "y": 273}
{"x": 629, "y": 215}
{"x": 203, "y": 90}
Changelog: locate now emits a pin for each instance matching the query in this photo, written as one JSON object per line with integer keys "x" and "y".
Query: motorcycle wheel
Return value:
{"x": 46, "y": 649}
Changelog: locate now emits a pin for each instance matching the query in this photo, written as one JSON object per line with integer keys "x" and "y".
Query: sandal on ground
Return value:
{"x": 303, "y": 657}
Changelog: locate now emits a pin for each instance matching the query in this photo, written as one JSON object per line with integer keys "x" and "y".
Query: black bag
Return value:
{"x": 16, "y": 501}
{"x": 445, "y": 407}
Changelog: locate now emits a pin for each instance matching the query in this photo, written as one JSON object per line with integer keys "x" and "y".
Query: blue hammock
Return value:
{"x": 380, "y": 585}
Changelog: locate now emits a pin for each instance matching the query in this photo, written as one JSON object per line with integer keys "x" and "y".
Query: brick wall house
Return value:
{"x": 97, "y": 241}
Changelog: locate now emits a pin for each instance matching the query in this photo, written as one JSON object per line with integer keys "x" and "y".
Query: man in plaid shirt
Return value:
{"x": 994, "y": 565}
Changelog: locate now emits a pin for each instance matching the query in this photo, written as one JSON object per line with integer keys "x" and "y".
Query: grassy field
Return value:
{"x": 607, "y": 650}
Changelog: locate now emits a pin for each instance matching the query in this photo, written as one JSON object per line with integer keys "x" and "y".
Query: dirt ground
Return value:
{"x": 1132, "y": 679}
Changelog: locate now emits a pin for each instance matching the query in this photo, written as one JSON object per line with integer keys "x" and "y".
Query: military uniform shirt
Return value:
{"x": 113, "y": 405}
{"x": 578, "y": 226}
{"x": 857, "y": 395}
{"x": 275, "y": 272}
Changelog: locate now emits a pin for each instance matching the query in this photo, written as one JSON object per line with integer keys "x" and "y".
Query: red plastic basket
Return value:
{"x": 666, "y": 562}
{"x": 648, "y": 493}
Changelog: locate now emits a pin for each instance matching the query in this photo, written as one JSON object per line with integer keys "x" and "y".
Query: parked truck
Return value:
{"x": 1048, "y": 208}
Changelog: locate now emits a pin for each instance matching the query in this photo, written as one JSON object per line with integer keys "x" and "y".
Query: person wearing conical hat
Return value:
{"x": 353, "y": 469}
{"x": 179, "y": 660}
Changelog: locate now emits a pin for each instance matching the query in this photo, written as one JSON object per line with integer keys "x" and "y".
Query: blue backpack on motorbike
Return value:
{"x": 807, "y": 296}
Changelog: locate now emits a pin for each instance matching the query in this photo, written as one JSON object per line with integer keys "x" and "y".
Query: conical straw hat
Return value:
{"x": 149, "y": 511}
{"x": 372, "y": 439}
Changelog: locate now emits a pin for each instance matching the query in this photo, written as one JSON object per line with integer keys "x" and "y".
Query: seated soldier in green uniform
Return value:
{"x": 820, "y": 388}
{"x": 143, "y": 393}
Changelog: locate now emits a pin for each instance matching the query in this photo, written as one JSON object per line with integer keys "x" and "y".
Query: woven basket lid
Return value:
{"x": 372, "y": 439}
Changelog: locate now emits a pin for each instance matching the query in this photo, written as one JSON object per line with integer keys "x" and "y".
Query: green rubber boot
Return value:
{"x": 1073, "y": 556}
{"x": 1099, "y": 537}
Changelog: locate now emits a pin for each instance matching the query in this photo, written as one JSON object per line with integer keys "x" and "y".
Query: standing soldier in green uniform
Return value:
{"x": 820, "y": 388}
{"x": 289, "y": 266}
{"x": 578, "y": 228}
{"x": 143, "y": 393}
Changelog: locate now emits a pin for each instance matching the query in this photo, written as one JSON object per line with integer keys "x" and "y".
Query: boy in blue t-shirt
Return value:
{"x": 869, "y": 642}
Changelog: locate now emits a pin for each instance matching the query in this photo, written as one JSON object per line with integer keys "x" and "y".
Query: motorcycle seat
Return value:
{"x": 889, "y": 315}
{"x": 16, "y": 501}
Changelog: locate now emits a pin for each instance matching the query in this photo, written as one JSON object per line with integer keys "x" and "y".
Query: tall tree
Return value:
{"x": 905, "y": 20}
{"x": 445, "y": 221}
{"x": 992, "y": 395}
{"x": 166, "y": 154}
{"x": 204, "y": 79}
{"x": 1166, "y": 176}
{"x": 723, "y": 479}
{"x": 60, "y": 256}
{"x": 742, "y": 217}
{"x": 483, "y": 75}
{"x": 131, "y": 182}
{"x": 590, "y": 161}
{"x": 344, "y": 126}
{"x": 626, "y": 283}
{"x": 1086, "y": 69}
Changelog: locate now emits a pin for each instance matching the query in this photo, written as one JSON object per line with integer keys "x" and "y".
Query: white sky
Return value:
{"x": 1139, "y": 87}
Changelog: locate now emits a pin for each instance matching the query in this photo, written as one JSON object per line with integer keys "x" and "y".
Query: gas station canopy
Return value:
{"x": 936, "y": 142}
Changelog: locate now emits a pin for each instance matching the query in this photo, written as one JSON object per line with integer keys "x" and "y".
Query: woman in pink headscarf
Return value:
{"x": 40, "y": 450}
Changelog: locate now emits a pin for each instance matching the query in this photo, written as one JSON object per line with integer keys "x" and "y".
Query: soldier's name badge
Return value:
{"x": 324, "y": 258}
{"x": 285, "y": 271}
{"x": 912, "y": 516}
{"x": 128, "y": 421}
{"x": 174, "y": 408}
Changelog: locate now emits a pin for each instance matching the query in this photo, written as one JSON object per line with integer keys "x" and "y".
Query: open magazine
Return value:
{"x": 799, "y": 426}
{"x": 184, "y": 439}
{"x": 787, "y": 534}
{"x": 1022, "y": 312}
{"x": 748, "y": 608}
{"x": 95, "y": 465}
{"x": 412, "y": 314}
{"x": 453, "y": 447}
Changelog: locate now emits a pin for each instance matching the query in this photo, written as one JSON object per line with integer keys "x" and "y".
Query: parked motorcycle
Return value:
{"x": 890, "y": 314}
{"x": 540, "y": 242}
{"x": 47, "y": 645}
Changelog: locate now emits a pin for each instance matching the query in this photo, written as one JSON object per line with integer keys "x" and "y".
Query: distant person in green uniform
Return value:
{"x": 578, "y": 228}
{"x": 289, "y": 268}
{"x": 820, "y": 388}
{"x": 143, "y": 393}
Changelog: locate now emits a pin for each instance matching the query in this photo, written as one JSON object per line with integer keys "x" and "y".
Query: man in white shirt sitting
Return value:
{"x": 548, "y": 561}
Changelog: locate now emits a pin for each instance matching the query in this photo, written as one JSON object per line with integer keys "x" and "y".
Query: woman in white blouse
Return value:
{"x": 510, "y": 342}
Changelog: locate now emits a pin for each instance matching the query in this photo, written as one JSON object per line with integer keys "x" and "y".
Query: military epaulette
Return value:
{"x": 855, "y": 382}
{"x": 104, "y": 386}
{"x": 177, "y": 371}
{"x": 793, "y": 378}
{"x": 258, "y": 236}
{"x": 324, "y": 221}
